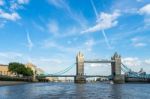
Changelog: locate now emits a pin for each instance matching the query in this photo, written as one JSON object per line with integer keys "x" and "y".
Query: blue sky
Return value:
{"x": 49, "y": 33}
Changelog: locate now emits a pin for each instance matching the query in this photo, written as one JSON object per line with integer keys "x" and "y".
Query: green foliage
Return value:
{"x": 20, "y": 69}
{"x": 28, "y": 72}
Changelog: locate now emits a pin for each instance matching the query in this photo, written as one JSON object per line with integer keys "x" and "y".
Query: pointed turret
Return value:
{"x": 116, "y": 68}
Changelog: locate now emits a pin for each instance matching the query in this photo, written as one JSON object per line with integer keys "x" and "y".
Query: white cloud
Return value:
{"x": 53, "y": 27}
{"x": 77, "y": 17}
{"x": 69, "y": 31}
{"x": 9, "y": 16}
{"x": 139, "y": 44}
{"x": 6, "y": 57}
{"x": 98, "y": 65}
{"x": 1, "y": 3}
{"x": 130, "y": 11}
{"x": 23, "y": 1}
{"x": 50, "y": 60}
{"x": 2, "y": 24}
{"x": 104, "y": 21}
{"x": 10, "y": 54}
{"x": 9, "y": 12}
{"x": 14, "y": 6}
{"x": 97, "y": 69}
{"x": 139, "y": 0}
{"x": 53, "y": 64}
{"x": 145, "y": 10}
{"x": 103, "y": 32}
{"x": 147, "y": 61}
{"x": 136, "y": 63}
{"x": 57, "y": 3}
{"x": 39, "y": 27}
{"x": 86, "y": 46}
{"x": 89, "y": 44}
{"x": 131, "y": 61}
{"x": 30, "y": 43}
{"x": 135, "y": 39}
{"x": 95, "y": 65}
{"x": 58, "y": 31}
{"x": 49, "y": 44}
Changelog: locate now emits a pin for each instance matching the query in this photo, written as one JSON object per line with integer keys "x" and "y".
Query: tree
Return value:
{"x": 20, "y": 68}
{"x": 28, "y": 72}
{"x": 14, "y": 67}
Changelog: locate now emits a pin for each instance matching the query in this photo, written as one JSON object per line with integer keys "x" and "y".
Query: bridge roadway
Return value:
{"x": 87, "y": 76}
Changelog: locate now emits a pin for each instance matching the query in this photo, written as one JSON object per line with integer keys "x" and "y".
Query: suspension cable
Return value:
{"x": 63, "y": 71}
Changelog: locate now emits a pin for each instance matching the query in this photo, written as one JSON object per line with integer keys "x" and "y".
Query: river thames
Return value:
{"x": 75, "y": 91}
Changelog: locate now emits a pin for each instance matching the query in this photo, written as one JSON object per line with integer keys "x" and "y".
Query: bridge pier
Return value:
{"x": 80, "y": 78}
{"x": 116, "y": 69}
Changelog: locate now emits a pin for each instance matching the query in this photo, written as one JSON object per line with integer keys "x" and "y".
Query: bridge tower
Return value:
{"x": 116, "y": 69}
{"x": 80, "y": 78}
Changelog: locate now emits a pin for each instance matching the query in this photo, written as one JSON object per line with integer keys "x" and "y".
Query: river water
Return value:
{"x": 75, "y": 91}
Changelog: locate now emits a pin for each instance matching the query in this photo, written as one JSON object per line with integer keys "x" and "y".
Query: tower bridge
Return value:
{"x": 80, "y": 76}
{"x": 115, "y": 68}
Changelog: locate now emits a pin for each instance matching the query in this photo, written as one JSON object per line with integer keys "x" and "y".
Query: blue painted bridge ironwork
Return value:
{"x": 132, "y": 74}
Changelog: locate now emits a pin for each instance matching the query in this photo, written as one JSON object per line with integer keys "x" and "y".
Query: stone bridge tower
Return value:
{"x": 80, "y": 78}
{"x": 116, "y": 69}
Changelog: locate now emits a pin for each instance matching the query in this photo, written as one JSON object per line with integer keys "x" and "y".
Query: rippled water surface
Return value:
{"x": 75, "y": 91}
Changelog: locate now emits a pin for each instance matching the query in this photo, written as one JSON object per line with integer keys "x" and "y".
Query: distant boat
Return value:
{"x": 111, "y": 82}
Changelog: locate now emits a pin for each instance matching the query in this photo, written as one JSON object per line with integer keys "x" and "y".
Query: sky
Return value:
{"x": 50, "y": 33}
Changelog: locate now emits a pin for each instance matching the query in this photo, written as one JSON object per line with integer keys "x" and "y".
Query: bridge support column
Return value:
{"x": 80, "y": 78}
{"x": 116, "y": 69}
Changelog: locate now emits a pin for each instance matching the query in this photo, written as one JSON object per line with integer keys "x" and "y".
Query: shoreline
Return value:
{"x": 10, "y": 83}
